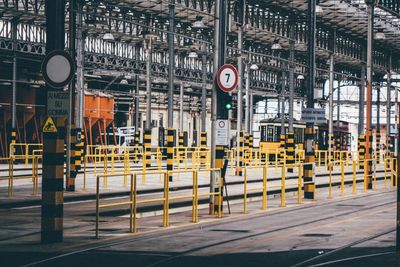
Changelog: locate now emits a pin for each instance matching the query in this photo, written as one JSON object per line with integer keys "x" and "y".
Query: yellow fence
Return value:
{"x": 133, "y": 202}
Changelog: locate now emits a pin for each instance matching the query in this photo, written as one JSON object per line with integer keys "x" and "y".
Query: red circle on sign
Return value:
{"x": 231, "y": 86}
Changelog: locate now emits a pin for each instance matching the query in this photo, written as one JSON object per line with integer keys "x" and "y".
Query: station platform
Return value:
{"x": 339, "y": 228}
{"x": 353, "y": 230}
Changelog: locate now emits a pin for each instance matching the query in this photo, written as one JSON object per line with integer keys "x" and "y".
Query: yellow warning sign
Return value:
{"x": 49, "y": 126}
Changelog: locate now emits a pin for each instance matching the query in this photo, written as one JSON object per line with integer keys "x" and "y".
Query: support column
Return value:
{"x": 218, "y": 98}
{"x": 13, "y": 133}
{"x": 290, "y": 144}
{"x": 308, "y": 177}
{"x": 52, "y": 211}
{"x": 368, "y": 155}
{"x": 388, "y": 105}
{"x": 171, "y": 87}
{"x": 71, "y": 172}
{"x": 378, "y": 124}
{"x": 240, "y": 97}
{"x": 240, "y": 148}
{"x": 338, "y": 140}
{"x": 361, "y": 129}
{"x": 80, "y": 93}
{"x": 331, "y": 80}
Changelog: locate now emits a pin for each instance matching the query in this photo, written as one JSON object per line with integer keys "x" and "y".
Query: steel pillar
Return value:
{"x": 52, "y": 211}
{"x": 308, "y": 177}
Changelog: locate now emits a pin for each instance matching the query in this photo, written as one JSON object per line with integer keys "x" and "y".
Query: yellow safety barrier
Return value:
{"x": 26, "y": 148}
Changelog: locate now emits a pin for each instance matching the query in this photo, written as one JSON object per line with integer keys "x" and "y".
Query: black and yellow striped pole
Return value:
{"x": 203, "y": 146}
{"x": 361, "y": 150}
{"x": 54, "y": 132}
{"x": 330, "y": 151}
{"x": 378, "y": 146}
{"x": 246, "y": 148}
{"x": 79, "y": 150}
{"x": 70, "y": 181}
{"x": 281, "y": 153}
{"x": 308, "y": 176}
{"x": 170, "y": 152}
{"x": 290, "y": 148}
{"x": 239, "y": 163}
{"x": 147, "y": 148}
{"x": 181, "y": 144}
{"x": 52, "y": 183}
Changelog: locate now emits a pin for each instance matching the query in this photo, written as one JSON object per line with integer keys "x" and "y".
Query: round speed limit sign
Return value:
{"x": 227, "y": 78}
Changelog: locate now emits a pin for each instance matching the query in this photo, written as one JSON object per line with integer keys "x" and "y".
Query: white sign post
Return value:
{"x": 222, "y": 133}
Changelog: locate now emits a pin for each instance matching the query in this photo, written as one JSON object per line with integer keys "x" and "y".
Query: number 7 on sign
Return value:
{"x": 227, "y": 78}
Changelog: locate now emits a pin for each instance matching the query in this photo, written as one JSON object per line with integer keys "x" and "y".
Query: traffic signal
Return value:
{"x": 228, "y": 106}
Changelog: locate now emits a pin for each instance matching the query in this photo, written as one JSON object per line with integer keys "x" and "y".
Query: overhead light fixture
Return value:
{"x": 192, "y": 55}
{"x": 276, "y": 46}
{"x": 198, "y": 24}
{"x": 318, "y": 10}
{"x": 108, "y": 37}
{"x": 254, "y": 67}
{"x": 380, "y": 36}
{"x": 300, "y": 77}
{"x": 123, "y": 81}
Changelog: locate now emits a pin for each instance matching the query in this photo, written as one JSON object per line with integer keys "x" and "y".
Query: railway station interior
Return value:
{"x": 199, "y": 132}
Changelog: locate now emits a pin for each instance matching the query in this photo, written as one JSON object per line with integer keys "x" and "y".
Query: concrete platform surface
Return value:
{"x": 354, "y": 230}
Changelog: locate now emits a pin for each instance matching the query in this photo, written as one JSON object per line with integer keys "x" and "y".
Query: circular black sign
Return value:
{"x": 58, "y": 68}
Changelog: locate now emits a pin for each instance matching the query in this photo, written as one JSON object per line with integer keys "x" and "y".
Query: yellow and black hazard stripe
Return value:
{"x": 52, "y": 184}
{"x": 70, "y": 183}
{"x": 181, "y": 144}
{"x": 246, "y": 147}
{"x": 308, "y": 174}
{"x": 170, "y": 152}
{"x": 147, "y": 147}
{"x": 281, "y": 154}
{"x": 239, "y": 168}
{"x": 378, "y": 146}
{"x": 369, "y": 164}
{"x": 203, "y": 145}
{"x": 290, "y": 150}
{"x": 361, "y": 150}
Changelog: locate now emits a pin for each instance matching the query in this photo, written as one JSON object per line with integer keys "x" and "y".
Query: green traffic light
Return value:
{"x": 228, "y": 106}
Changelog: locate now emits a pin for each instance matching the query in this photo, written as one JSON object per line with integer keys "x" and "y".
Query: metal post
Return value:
{"x": 218, "y": 111}
{"x": 247, "y": 100}
{"x": 388, "y": 104}
{"x": 368, "y": 155}
{"x": 361, "y": 129}
{"x": 251, "y": 113}
{"x": 291, "y": 75}
{"x": 14, "y": 32}
{"x": 338, "y": 141}
{"x": 240, "y": 99}
{"x": 70, "y": 149}
{"x": 204, "y": 88}
{"x": 171, "y": 70}
{"x": 148, "y": 85}
{"x": 137, "y": 103}
{"x": 53, "y": 143}
{"x": 80, "y": 79}
{"x": 308, "y": 177}
{"x": 378, "y": 122}
{"x": 283, "y": 100}
{"x": 331, "y": 80}
{"x": 181, "y": 107}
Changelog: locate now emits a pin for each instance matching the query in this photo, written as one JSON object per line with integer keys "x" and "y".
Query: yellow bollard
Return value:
{"x": 283, "y": 186}
{"x": 354, "y": 189}
{"x": 342, "y": 178}
{"x": 245, "y": 191}
{"x": 300, "y": 185}
{"x": 330, "y": 179}
{"x": 264, "y": 200}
